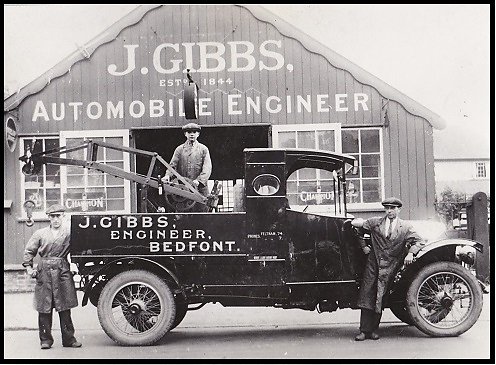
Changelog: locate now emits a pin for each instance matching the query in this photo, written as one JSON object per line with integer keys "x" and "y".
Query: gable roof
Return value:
{"x": 261, "y": 14}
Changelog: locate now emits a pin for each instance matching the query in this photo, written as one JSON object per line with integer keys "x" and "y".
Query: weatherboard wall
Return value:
{"x": 301, "y": 89}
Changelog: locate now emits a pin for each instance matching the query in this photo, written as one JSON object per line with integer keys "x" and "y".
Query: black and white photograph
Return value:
{"x": 222, "y": 182}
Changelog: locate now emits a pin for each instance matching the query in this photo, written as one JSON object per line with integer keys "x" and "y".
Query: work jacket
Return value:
{"x": 193, "y": 162}
{"x": 54, "y": 280}
{"x": 385, "y": 259}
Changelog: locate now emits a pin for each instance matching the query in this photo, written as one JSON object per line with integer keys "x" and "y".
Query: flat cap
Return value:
{"x": 56, "y": 208}
{"x": 191, "y": 127}
{"x": 392, "y": 202}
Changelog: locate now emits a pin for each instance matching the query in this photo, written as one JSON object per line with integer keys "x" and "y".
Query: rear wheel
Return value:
{"x": 444, "y": 299}
{"x": 136, "y": 308}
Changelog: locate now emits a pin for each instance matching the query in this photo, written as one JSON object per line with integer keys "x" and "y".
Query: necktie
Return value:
{"x": 390, "y": 230}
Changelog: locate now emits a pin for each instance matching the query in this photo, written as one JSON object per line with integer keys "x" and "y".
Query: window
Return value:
{"x": 365, "y": 144}
{"x": 266, "y": 184}
{"x": 480, "y": 170}
{"x": 95, "y": 190}
{"x": 44, "y": 188}
{"x": 314, "y": 186}
{"x": 79, "y": 189}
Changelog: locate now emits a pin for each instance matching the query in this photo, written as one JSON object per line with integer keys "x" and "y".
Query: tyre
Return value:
{"x": 444, "y": 300}
{"x": 181, "y": 309}
{"x": 136, "y": 308}
{"x": 400, "y": 311}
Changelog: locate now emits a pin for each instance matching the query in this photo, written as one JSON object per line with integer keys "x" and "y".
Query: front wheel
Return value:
{"x": 444, "y": 300}
{"x": 136, "y": 308}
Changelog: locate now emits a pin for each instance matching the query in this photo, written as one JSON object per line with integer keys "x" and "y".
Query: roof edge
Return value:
{"x": 341, "y": 62}
{"x": 64, "y": 66}
{"x": 258, "y": 12}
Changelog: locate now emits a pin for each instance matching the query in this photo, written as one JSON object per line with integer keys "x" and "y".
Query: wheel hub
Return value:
{"x": 447, "y": 302}
{"x": 136, "y": 307}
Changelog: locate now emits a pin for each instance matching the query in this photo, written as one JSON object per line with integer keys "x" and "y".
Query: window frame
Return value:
{"x": 88, "y": 134}
{"x": 482, "y": 164}
{"x": 36, "y": 216}
{"x": 372, "y": 205}
{"x": 338, "y": 128}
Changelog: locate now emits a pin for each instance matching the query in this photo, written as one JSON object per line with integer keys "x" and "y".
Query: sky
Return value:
{"x": 438, "y": 55}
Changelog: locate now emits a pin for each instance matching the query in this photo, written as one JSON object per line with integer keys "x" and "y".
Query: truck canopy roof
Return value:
{"x": 297, "y": 158}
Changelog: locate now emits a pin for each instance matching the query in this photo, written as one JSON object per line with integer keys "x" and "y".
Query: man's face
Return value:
{"x": 392, "y": 212}
{"x": 191, "y": 136}
{"x": 56, "y": 219}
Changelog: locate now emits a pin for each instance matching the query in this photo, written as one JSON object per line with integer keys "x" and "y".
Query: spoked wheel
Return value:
{"x": 177, "y": 203}
{"x": 136, "y": 308}
{"x": 444, "y": 299}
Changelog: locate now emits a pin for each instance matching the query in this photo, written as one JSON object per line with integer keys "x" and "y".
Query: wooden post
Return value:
{"x": 478, "y": 230}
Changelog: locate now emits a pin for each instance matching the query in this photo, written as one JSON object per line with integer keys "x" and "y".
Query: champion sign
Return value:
{"x": 89, "y": 202}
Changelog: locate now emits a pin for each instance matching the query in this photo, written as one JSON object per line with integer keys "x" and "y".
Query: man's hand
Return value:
{"x": 409, "y": 258}
{"x": 166, "y": 179}
{"x": 357, "y": 222}
{"x": 31, "y": 272}
{"x": 366, "y": 250}
{"x": 196, "y": 183}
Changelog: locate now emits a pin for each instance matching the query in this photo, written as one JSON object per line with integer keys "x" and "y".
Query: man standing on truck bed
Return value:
{"x": 54, "y": 282}
{"x": 192, "y": 160}
{"x": 393, "y": 242}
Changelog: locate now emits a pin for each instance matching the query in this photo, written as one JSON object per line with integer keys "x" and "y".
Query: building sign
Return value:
{"x": 155, "y": 234}
{"x": 11, "y": 135}
{"x": 311, "y": 194}
{"x": 85, "y": 202}
{"x": 215, "y": 67}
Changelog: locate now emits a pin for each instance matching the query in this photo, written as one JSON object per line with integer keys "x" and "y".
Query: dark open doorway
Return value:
{"x": 225, "y": 143}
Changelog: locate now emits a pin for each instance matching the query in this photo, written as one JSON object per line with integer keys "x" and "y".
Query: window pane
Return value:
{"x": 353, "y": 191}
{"x": 306, "y": 139}
{"x": 293, "y": 176}
{"x": 52, "y": 175}
{"x": 112, "y": 180}
{"x": 78, "y": 154}
{"x": 292, "y": 193}
{"x": 37, "y": 197}
{"x": 114, "y": 154}
{"x": 370, "y": 140}
{"x": 325, "y": 175}
{"x": 51, "y": 144}
{"x": 358, "y": 174}
{"x": 115, "y": 193}
{"x": 307, "y": 174}
{"x": 370, "y": 165}
{"x": 287, "y": 139}
{"x": 117, "y": 204}
{"x": 95, "y": 178}
{"x": 349, "y": 141}
{"x": 326, "y": 140}
{"x": 371, "y": 190}
{"x": 53, "y": 196}
{"x": 75, "y": 180}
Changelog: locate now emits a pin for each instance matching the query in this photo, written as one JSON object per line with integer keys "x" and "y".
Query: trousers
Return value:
{"x": 369, "y": 320}
{"x": 66, "y": 327}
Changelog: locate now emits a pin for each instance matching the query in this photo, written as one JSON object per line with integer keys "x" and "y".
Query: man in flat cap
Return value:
{"x": 393, "y": 243}
{"x": 54, "y": 280}
{"x": 192, "y": 160}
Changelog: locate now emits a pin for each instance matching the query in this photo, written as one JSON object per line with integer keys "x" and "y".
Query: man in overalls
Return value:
{"x": 54, "y": 280}
{"x": 192, "y": 160}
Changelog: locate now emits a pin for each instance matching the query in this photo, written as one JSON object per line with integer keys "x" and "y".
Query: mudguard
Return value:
{"x": 112, "y": 264}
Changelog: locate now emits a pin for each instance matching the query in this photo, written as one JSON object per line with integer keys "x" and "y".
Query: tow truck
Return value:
{"x": 145, "y": 271}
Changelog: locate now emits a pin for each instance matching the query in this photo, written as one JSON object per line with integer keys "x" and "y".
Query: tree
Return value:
{"x": 450, "y": 205}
